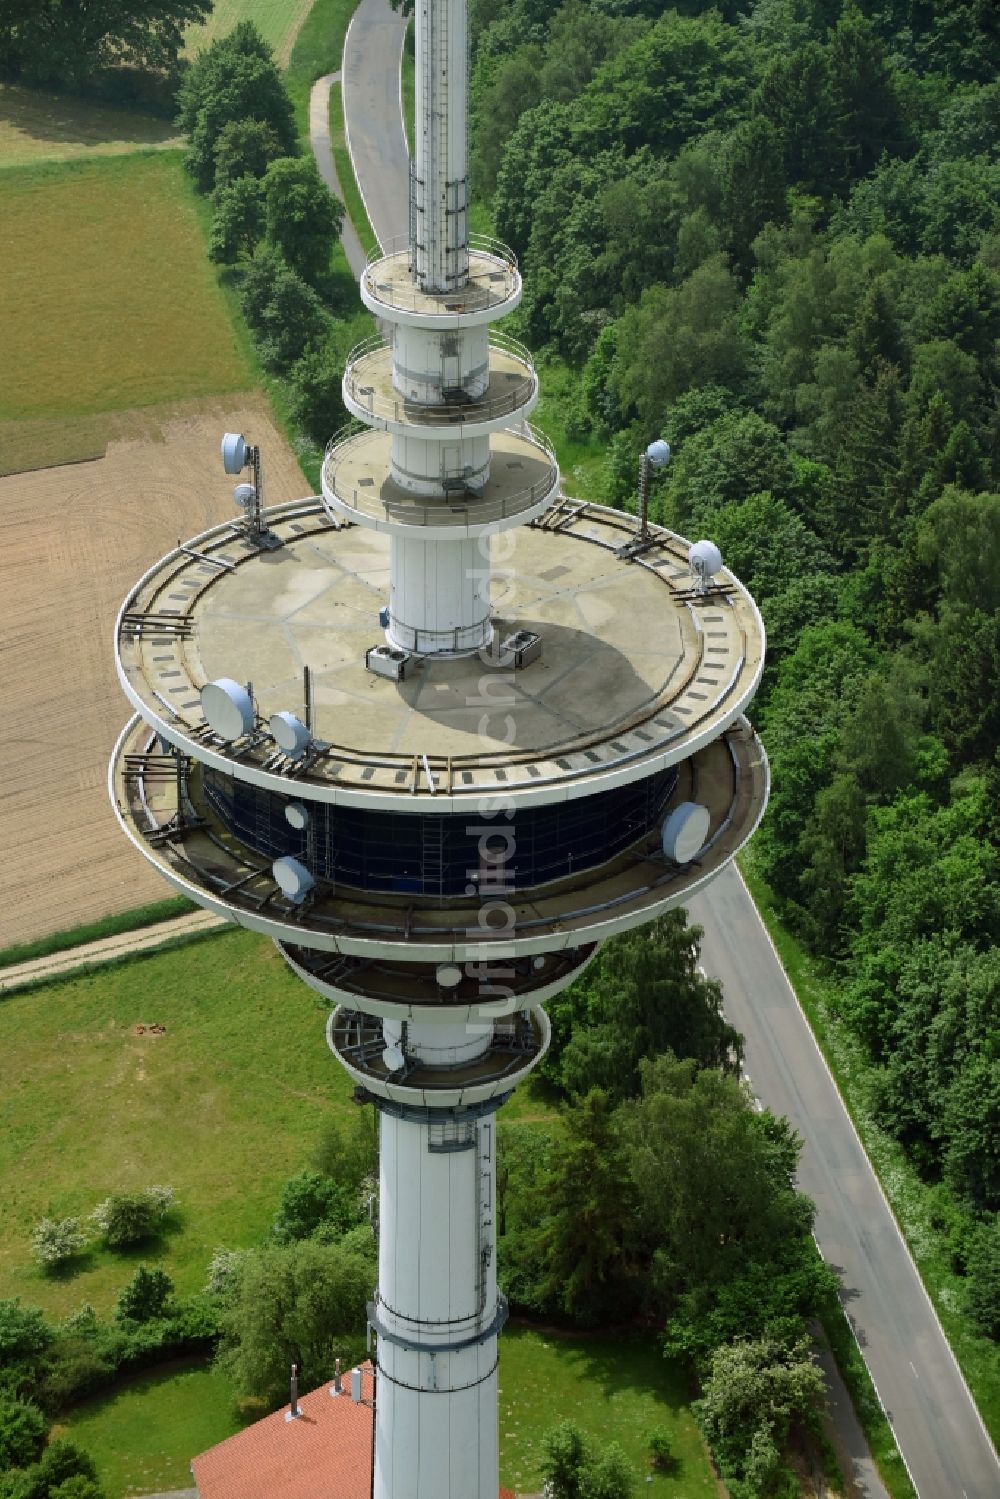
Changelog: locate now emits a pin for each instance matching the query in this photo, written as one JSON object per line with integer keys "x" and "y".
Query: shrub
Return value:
{"x": 983, "y": 1284}
{"x": 309, "y": 1202}
{"x": 22, "y": 1433}
{"x": 127, "y": 1218}
{"x": 25, "y": 1337}
{"x": 145, "y": 1297}
{"x": 660, "y": 1453}
{"x": 59, "y": 1465}
{"x": 56, "y": 1240}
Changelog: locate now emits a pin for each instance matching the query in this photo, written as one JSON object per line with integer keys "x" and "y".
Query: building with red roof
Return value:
{"x": 324, "y": 1452}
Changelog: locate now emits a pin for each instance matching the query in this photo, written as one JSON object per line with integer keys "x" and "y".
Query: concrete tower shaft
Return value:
{"x": 439, "y": 181}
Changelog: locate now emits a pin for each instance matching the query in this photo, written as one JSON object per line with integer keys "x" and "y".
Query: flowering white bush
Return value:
{"x": 127, "y": 1218}
{"x": 56, "y": 1240}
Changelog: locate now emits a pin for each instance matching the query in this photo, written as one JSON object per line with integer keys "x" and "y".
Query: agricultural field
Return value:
{"x": 37, "y": 127}
{"x": 278, "y": 21}
{"x": 74, "y": 538}
{"x": 122, "y": 367}
{"x": 107, "y": 300}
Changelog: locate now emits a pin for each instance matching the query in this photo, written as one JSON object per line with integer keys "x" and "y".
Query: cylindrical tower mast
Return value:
{"x": 444, "y": 789}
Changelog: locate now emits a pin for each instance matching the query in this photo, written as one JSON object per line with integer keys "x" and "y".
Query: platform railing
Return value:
{"x": 359, "y": 386}
{"x": 492, "y": 278}
{"x": 415, "y": 510}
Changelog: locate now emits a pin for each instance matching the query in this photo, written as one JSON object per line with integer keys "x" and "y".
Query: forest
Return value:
{"x": 771, "y": 233}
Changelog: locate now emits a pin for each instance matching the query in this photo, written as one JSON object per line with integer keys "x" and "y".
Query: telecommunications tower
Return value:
{"x": 438, "y": 733}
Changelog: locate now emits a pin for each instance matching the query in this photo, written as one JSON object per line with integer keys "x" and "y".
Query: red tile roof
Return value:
{"x": 328, "y": 1450}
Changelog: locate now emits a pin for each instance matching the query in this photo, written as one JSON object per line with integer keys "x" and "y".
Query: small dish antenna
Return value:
{"x": 393, "y": 1058}
{"x": 658, "y": 453}
{"x": 448, "y": 975}
{"x": 290, "y": 734}
{"x": 228, "y": 708}
{"x": 705, "y": 561}
{"x": 297, "y": 816}
{"x": 685, "y": 831}
{"x": 294, "y": 879}
{"x": 244, "y": 496}
{"x": 235, "y": 452}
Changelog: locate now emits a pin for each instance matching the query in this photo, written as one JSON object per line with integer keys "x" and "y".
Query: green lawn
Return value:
{"x": 107, "y": 300}
{"x": 36, "y": 127}
{"x": 353, "y": 201}
{"x": 223, "y": 1107}
{"x": 144, "y": 1437}
{"x": 614, "y": 1389}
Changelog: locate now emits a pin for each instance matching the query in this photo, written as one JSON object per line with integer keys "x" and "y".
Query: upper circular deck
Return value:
{"x": 637, "y": 672}
{"x": 369, "y": 394}
{"x": 358, "y": 486}
{"x": 493, "y": 288}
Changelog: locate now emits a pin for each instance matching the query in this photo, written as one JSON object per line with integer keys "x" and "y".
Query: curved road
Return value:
{"x": 944, "y": 1443}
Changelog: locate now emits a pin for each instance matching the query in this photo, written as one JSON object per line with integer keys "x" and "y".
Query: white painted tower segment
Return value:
{"x": 440, "y": 165}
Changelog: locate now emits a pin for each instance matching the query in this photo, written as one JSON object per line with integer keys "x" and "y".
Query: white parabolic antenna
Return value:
{"x": 685, "y": 831}
{"x": 393, "y": 1058}
{"x": 293, "y": 877}
{"x": 448, "y": 975}
{"x": 705, "y": 559}
{"x": 243, "y": 495}
{"x": 297, "y": 816}
{"x": 289, "y": 734}
{"x": 228, "y": 708}
{"x": 234, "y": 452}
{"x": 658, "y": 452}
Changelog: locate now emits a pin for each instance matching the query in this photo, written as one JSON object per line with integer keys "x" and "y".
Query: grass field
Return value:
{"x": 89, "y": 1106}
{"x": 278, "y": 21}
{"x": 143, "y": 1437}
{"x": 37, "y": 127}
{"x": 107, "y": 300}
{"x": 614, "y": 1389}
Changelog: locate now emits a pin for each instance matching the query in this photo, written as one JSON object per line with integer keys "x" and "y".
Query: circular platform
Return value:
{"x": 636, "y": 673}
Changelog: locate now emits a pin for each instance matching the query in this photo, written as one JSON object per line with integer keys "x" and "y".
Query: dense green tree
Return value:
{"x": 244, "y": 148}
{"x": 25, "y": 1338}
{"x": 301, "y": 1303}
{"x": 284, "y": 312}
{"x": 311, "y": 1201}
{"x": 714, "y": 1192}
{"x": 146, "y": 1296}
{"x": 983, "y": 1270}
{"x": 588, "y": 1218}
{"x": 755, "y": 1393}
{"x": 60, "y": 41}
{"x": 238, "y": 220}
{"x": 302, "y": 216}
{"x": 573, "y": 1469}
{"x": 236, "y": 78}
{"x": 642, "y": 995}
{"x": 22, "y": 1433}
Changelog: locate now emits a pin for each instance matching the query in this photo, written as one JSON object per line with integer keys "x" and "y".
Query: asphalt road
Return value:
{"x": 370, "y": 71}
{"x": 937, "y": 1426}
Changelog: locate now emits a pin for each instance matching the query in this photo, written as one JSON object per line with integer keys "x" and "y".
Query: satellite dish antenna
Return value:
{"x": 685, "y": 831}
{"x": 228, "y": 708}
{"x": 705, "y": 561}
{"x": 235, "y": 452}
{"x": 294, "y": 879}
{"x": 538, "y": 963}
{"x": 297, "y": 816}
{"x": 448, "y": 975}
{"x": 658, "y": 453}
{"x": 244, "y": 496}
{"x": 393, "y": 1058}
{"x": 290, "y": 734}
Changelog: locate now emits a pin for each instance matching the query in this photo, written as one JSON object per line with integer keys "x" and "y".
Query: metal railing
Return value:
{"x": 487, "y": 284}
{"x": 392, "y": 407}
{"x": 462, "y": 510}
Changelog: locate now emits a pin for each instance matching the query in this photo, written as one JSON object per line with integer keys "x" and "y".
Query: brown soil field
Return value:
{"x": 73, "y": 540}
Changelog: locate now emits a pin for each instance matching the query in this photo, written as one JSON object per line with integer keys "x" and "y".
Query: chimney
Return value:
{"x": 293, "y": 1413}
{"x": 337, "y": 1388}
{"x": 356, "y": 1386}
